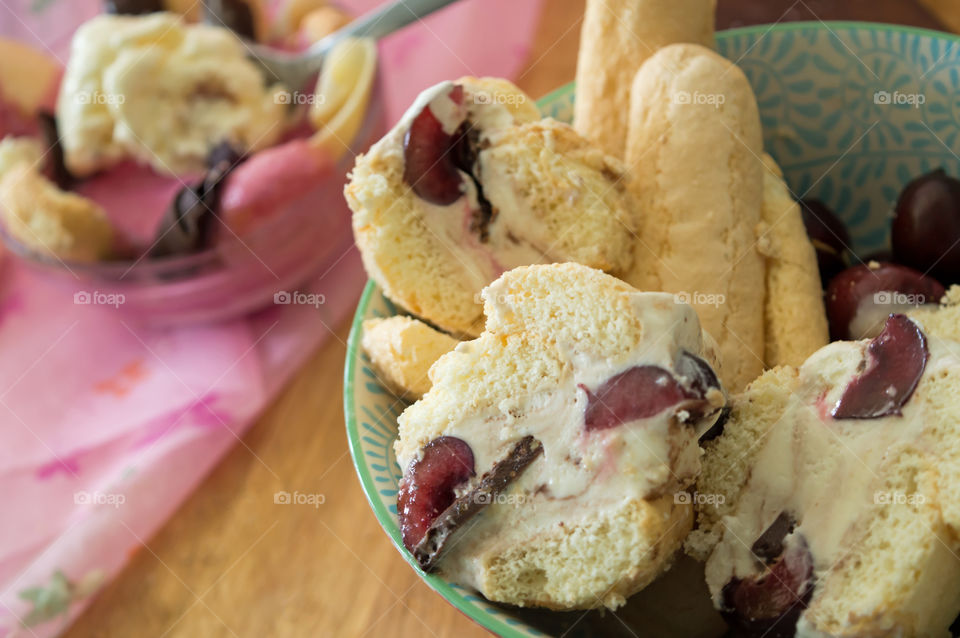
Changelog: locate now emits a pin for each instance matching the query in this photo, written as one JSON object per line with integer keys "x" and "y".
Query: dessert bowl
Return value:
{"x": 302, "y": 236}
{"x": 851, "y": 112}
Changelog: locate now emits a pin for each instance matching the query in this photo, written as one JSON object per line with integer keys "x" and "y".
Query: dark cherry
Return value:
{"x": 643, "y": 391}
{"x": 770, "y": 604}
{"x": 868, "y": 295}
{"x": 926, "y": 229}
{"x": 895, "y": 362}
{"x": 133, "y": 7}
{"x": 429, "y": 549}
{"x": 427, "y": 487}
{"x": 188, "y": 224}
{"x": 236, "y": 15}
{"x": 430, "y": 160}
{"x": 828, "y": 235}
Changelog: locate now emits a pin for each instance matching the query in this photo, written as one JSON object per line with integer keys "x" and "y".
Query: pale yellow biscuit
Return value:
{"x": 615, "y": 39}
{"x": 795, "y": 321}
{"x": 46, "y": 219}
{"x": 693, "y": 152}
{"x": 402, "y": 350}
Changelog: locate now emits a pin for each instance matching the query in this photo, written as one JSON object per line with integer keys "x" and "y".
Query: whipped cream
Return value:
{"x": 162, "y": 92}
{"x": 824, "y": 472}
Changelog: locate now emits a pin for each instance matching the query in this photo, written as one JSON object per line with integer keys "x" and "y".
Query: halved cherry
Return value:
{"x": 770, "y": 604}
{"x": 427, "y": 488}
{"x": 895, "y": 362}
{"x": 860, "y": 298}
{"x": 430, "y": 160}
{"x": 643, "y": 391}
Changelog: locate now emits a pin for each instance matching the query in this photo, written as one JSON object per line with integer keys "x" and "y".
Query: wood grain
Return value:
{"x": 231, "y": 562}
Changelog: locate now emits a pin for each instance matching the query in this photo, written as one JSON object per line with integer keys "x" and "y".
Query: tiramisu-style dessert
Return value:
{"x": 471, "y": 183}
{"x": 543, "y": 465}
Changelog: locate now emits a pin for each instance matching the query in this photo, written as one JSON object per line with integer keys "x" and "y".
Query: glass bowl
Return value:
{"x": 237, "y": 275}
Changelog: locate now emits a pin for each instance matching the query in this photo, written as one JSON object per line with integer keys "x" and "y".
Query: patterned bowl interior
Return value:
{"x": 851, "y": 111}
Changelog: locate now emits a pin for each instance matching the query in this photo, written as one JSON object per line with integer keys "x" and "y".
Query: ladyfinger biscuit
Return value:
{"x": 693, "y": 154}
{"x": 795, "y": 321}
{"x": 616, "y": 38}
{"x": 402, "y": 350}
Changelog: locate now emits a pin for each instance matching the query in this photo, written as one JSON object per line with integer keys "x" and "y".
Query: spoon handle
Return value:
{"x": 389, "y": 18}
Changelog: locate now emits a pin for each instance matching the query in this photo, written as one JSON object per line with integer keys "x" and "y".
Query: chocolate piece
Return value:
{"x": 466, "y": 149}
{"x": 429, "y": 550}
{"x": 896, "y": 359}
{"x": 56, "y": 168}
{"x": 716, "y": 429}
{"x": 236, "y": 15}
{"x": 133, "y": 7}
{"x": 188, "y": 225}
{"x": 770, "y": 544}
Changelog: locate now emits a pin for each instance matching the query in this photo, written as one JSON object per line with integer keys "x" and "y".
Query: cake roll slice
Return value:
{"x": 548, "y": 463}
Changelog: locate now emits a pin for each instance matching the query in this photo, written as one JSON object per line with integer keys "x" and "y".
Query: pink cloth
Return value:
{"x": 106, "y": 426}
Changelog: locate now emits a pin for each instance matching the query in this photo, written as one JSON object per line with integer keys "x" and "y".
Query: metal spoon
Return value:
{"x": 295, "y": 70}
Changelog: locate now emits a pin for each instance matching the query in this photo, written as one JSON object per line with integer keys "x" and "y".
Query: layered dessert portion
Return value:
{"x": 837, "y": 483}
{"x": 470, "y": 183}
{"x": 547, "y": 463}
{"x": 131, "y": 155}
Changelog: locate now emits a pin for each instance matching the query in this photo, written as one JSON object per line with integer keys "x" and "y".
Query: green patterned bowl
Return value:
{"x": 851, "y": 111}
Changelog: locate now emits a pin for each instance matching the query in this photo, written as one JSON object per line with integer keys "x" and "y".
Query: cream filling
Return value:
{"x": 824, "y": 472}
{"x": 580, "y": 472}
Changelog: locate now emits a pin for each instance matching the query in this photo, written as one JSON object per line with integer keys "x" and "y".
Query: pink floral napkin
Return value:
{"x": 106, "y": 425}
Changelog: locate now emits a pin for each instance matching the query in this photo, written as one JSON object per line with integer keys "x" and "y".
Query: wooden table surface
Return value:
{"x": 232, "y": 563}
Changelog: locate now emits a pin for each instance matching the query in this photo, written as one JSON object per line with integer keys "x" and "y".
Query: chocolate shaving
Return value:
{"x": 56, "y": 167}
{"x": 236, "y": 15}
{"x": 770, "y": 544}
{"x": 429, "y": 550}
{"x": 716, "y": 429}
{"x": 466, "y": 149}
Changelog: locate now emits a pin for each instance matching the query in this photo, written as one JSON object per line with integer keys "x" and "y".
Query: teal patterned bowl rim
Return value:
{"x": 378, "y": 436}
